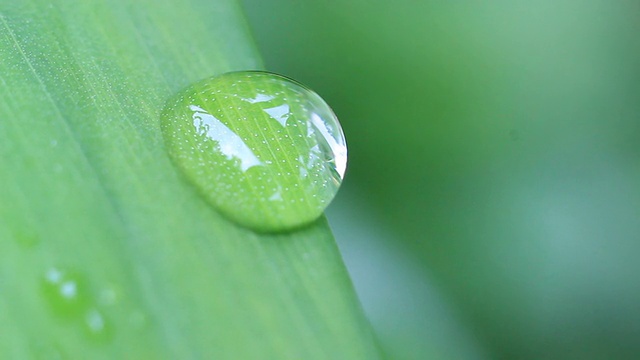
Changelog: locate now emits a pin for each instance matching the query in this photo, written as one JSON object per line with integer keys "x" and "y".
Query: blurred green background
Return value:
{"x": 492, "y": 202}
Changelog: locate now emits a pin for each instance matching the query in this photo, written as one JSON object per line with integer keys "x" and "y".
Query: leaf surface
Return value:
{"x": 107, "y": 252}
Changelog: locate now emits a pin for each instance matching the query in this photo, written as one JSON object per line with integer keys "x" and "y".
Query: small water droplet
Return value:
{"x": 94, "y": 321}
{"x": 96, "y": 326}
{"x": 108, "y": 296}
{"x": 68, "y": 295}
{"x": 264, "y": 150}
{"x": 65, "y": 292}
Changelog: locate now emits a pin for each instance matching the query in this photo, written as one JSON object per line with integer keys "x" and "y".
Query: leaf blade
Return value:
{"x": 87, "y": 189}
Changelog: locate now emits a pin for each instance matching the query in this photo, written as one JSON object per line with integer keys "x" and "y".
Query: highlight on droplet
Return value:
{"x": 264, "y": 150}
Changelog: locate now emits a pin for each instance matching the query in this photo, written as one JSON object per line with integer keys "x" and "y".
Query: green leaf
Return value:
{"x": 107, "y": 252}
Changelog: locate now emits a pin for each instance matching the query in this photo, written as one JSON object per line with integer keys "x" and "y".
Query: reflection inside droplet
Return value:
{"x": 229, "y": 143}
{"x": 264, "y": 150}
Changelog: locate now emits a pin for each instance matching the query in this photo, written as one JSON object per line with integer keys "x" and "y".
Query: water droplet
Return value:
{"x": 108, "y": 296}
{"x": 263, "y": 149}
{"x": 94, "y": 321}
{"x": 65, "y": 292}
{"x": 70, "y": 298}
{"x": 96, "y": 326}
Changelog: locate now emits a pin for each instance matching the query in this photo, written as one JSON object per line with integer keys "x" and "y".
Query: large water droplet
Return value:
{"x": 266, "y": 151}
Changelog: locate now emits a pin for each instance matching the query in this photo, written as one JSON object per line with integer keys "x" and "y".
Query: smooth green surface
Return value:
{"x": 106, "y": 251}
{"x": 266, "y": 151}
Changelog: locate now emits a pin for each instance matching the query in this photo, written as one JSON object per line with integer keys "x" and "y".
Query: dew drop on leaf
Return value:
{"x": 264, "y": 150}
{"x": 68, "y": 297}
{"x": 65, "y": 292}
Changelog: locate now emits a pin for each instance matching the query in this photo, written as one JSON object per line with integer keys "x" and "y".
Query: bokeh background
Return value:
{"x": 492, "y": 202}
